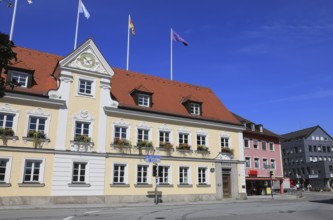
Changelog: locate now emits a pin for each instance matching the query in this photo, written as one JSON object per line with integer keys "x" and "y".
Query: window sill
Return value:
{"x": 165, "y": 149}
{"x": 184, "y": 151}
{"x": 185, "y": 185}
{"x": 31, "y": 184}
{"x": 202, "y": 152}
{"x": 203, "y": 185}
{"x": 79, "y": 185}
{"x": 142, "y": 185}
{"x": 119, "y": 185}
{"x": 13, "y": 138}
{"x": 5, "y": 185}
{"x": 41, "y": 139}
{"x": 165, "y": 185}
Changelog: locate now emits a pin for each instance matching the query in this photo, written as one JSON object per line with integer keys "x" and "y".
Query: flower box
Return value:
{"x": 121, "y": 142}
{"x": 184, "y": 147}
{"x": 82, "y": 138}
{"x": 7, "y": 132}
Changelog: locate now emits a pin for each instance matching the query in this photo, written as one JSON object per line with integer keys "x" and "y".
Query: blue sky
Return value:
{"x": 269, "y": 61}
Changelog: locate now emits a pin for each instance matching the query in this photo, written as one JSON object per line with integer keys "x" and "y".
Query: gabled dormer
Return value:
{"x": 192, "y": 105}
{"x": 142, "y": 96}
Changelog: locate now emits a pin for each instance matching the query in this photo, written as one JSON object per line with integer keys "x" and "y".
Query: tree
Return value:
{"x": 6, "y": 56}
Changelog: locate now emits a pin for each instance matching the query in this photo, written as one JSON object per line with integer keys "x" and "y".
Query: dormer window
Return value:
{"x": 195, "y": 108}
{"x": 21, "y": 78}
{"x": 144, "y": 100}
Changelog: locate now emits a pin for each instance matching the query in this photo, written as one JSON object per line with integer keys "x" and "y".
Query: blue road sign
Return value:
{"x": 153, "y": 158}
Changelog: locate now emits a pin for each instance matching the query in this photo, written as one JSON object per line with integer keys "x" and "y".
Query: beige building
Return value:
{"x": 78, "y": 130}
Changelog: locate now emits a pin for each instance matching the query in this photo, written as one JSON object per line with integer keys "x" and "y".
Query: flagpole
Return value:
{"x": 77, "y": 24}
{"x": 128, "y": 41}
{"x": 13, "y": 21}
{"x": 171, "y": 54}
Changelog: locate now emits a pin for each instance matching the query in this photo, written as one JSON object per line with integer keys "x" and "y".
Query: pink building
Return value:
{"x": 262, "y": 152}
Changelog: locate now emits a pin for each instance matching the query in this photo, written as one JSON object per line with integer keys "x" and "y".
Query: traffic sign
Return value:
{"x": 153, "y": 158}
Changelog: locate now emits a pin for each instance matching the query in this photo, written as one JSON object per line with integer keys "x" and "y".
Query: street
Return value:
{"x": 312, "y": 206}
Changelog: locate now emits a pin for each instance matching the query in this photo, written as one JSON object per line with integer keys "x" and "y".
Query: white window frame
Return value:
{"x": 262, "y": 144}
{"x": 271, "y": 144}
{"x": 7, "y": 109}
{"x": 121, "y": 132}
{"x": 125, "y": 173}
{"x": 169, "y": 176}
{"x": 144, "y": 100}
{"x": 166, "y": 135}
{"x": 202, "y": 140}
{"x": 8, "y": 169}
{"x": 181, "y": 138}
{"x": 143, "y": 135}
{"x": 15, "y": 74}
{"x": 254, "y": 161}
{"x": 41, "y": 170}
{"x": 224, "y": 142}
{"x": 148, "y": 176}
{"x": 248, "y": 143}
{"x": 249, "y": 160}
{"x": 93, "y": 85}
{"x": 265, "y": 166}
{"x": 39, "y": 113}
{"x": 86, "y": 169}
{"x": 273, "y": 161}
{"x": 188, "y": 175}
{"x": 83, "y": 122}
{"x": 5, "y": 120}
{"x": 195, "y": 108}
{"x": 257, "y": 148}
{"x": 206, "y": 175}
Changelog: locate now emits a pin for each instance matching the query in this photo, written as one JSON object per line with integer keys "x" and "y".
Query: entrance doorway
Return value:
{"x": 226, "y": 180}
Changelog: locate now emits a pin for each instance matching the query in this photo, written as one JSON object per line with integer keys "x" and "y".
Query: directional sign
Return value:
{"x": 153, "y": 158}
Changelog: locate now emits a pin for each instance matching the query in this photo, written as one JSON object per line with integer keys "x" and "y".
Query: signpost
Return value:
{"x": 155, "y": 159}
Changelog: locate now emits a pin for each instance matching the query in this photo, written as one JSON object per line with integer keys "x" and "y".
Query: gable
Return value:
{"x": 87, "y": 59}
{"x": 319, "y": 135}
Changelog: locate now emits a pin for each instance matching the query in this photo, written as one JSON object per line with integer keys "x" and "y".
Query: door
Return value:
{"x": 226, "y": 186}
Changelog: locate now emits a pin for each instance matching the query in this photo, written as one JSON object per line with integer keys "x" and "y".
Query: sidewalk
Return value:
{"x": 133, "y": 205}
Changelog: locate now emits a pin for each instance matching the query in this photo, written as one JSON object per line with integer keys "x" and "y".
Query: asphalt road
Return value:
{"x": 313, "y": 206}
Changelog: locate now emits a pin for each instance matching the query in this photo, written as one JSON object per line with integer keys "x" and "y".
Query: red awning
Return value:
{"x": 253, "y": 172}
{"x": 257, "y": 178}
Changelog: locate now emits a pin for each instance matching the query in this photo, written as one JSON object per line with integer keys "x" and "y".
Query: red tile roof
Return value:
{"x": 167, "y": 96}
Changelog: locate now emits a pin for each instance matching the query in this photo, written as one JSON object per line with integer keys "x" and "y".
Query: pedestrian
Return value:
{"x": 309, "y": 187}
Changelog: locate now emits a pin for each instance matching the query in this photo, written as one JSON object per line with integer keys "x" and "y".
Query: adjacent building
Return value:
{"x": 308, "y": 157}
{"x": 262, "y": 152}
{"x": 78, "y": 130}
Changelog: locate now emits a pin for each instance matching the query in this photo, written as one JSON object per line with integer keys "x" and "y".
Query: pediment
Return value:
{"x": 88, "y": 59}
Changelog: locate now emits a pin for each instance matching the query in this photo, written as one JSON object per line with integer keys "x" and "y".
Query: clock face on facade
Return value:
{"x": 87, "y": 60}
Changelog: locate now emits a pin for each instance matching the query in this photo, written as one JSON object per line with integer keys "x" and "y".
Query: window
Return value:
{"x": 271, "y": 146}
{"x": 310, "y": 148}
{"x": 37, "y": 124}
{"x": 328, "y": 149}
{"x": 21, "y": 78}
{"x": 202, "y": 175}
{"x": 79, "y": 172}
{"x": 256, "y": 162}
{"x": 195, "y": 108}
{"x": 272, "y": 163}
{"x": 247, "y": 162}
{"x": 119, "y": 173}
{"x": 142, "y": 177}
{"x": 163, "y": 174}
{"x": 264, "y": 163}
{"x": 85, "y": 87}
{"x": 263, "y": 145}
{"x": 82, "y": 128}
{"x": 183, "y": 138}
{"x": 143, "y": 100}
{"x": 32, "y": 171}
{"x": 315, "y": 148}
{"x": 4, "y": 170}
{"x": 246, "y": 143}
{"x": 255, "y": 144}
{"x": 120, "y": 132}
{"x": 224, "y": 142}
{"x": 6, "y": 120}
{"x": 164, "y": 137}
{"x": 183, "y": 175}
{"x": 310, "y": 158}
{"x": 143, "y": 135}
{"x": 201, "y": 140}
{"x": 324, "y": 149}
